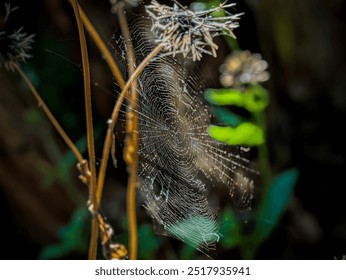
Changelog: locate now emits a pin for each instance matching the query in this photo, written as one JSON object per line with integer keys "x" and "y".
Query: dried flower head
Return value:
{"x": 191, "y": 33}
{"x": 15, "y": 45}
{"x": 243, "y": 68}
{"x": 126, "y": 3}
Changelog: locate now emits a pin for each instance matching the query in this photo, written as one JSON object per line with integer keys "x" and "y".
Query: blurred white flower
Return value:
{"x": 243, "y": 67}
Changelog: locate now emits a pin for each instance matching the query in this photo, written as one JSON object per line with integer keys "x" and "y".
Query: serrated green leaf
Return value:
{"x": 274, "y": 204}
{"x": 247, "y": 134}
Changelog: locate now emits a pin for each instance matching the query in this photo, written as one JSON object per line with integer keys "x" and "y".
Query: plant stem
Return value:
{"x": 232, "y": 43}
{"x": 50, "y": 116}
{"x": 113, "y": 119}
{"x": 103, "y": 49}
{"x": 263, "y": 156}
{"x": 131, "y": 140}
{"x": 131, "y": 208}
{"x": 89, "y": 124}
{"x": 131, "y": 59}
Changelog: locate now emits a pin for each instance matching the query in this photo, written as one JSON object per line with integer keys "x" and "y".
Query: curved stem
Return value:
{"x": 112, "y": 122}
{"x": 89, "y": 124}
{"x": 103, "y": 49}
{"x": 50, "y": 116}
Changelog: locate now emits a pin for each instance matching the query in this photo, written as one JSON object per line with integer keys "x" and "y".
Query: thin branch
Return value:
{"x": 89, "y": 124}
{"x": 103, "y": 48}
{"x": 50, "y": 116}
{"x": 131, "y": 59}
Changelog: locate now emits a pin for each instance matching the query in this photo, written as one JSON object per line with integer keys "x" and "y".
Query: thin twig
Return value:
{"x": 50, "y": 116}
{"x": 131, "y": 59}
{"x": 89, "y": 124}
{"x": 131, "y": 140}
{"x": 103, "y": 48}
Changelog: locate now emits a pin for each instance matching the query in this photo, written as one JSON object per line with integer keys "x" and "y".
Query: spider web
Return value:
{"x": 180, "y": 165}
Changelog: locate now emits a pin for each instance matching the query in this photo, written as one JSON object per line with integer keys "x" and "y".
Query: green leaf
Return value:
{"x": 257, "y": 98}
{"x": 73, "y": 238}
{"x": 225, "y": 97}
{"x": 247, "y": 134}
{"x": 274, "y": 204}
{"x": 254, "y": 98}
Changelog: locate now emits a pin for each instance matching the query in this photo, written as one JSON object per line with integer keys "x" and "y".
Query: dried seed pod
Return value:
{"x": 191, "y": 33}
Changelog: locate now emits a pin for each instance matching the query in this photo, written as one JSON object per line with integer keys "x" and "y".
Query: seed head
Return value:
{"x": 243, "y": 68}
{"x": 191, "y": 33}
{"x": 15, "y": 45}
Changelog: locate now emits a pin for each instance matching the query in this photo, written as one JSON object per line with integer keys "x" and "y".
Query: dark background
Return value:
{"x": 304, "y": 43}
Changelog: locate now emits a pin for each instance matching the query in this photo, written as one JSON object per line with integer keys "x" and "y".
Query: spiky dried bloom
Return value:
{"x": 126, "y": 3}
{"x": 243, "y": 68}
{"x": 191, "y": 33}
{"x": 15, "y": 45}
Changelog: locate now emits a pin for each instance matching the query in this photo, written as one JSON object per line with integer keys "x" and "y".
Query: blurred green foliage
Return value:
{"x": 236, "y": 130}
{"x": 246, "y": 134}
{"x": 274, "y": 203}
{"x": 73, "y": 238}
{"x": 149, "y": 243}
{"x": 253, "y": 98}
{"x": 276, "y": 192}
